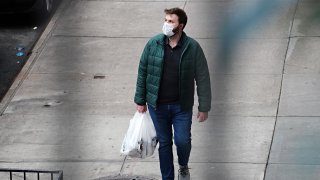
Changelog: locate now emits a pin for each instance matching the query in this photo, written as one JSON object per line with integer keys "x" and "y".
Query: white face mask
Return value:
{"x": 167, "y": 29}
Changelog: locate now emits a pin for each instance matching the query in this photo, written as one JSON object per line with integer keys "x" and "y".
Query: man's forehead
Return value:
{"x": 171, "y": 16}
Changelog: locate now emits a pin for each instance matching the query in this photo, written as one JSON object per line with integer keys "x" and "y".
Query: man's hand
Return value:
{"x": 141, "y": 108}
{"x": 202, "y": 116}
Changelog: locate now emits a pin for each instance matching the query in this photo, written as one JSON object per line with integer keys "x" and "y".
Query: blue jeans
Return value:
{"x": 164, "y": 117}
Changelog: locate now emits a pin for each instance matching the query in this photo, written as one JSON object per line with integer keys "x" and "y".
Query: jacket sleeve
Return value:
{"x": 202, "y": 78}
{"x": 140, "y": 94}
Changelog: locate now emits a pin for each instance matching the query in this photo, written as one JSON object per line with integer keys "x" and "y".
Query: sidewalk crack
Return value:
{"x": 121, "y": 169}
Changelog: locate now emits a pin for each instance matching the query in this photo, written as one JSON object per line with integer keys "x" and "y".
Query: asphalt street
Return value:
{"x": 18, "y": 35}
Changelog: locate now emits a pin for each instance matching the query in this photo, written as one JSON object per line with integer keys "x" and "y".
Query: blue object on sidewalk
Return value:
{"x": 19, "y": 54}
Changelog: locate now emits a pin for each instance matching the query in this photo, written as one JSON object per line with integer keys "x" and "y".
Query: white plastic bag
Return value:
{"x": 140, "y": 140}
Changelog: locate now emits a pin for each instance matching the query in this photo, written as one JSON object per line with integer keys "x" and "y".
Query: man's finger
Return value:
{"x": 202, "y": 120}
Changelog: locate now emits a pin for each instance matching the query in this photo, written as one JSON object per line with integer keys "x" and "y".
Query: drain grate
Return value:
{"x": 126, "y": 177}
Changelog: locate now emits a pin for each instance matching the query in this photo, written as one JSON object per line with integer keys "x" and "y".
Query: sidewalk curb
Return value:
{"x": 36, "y": 52}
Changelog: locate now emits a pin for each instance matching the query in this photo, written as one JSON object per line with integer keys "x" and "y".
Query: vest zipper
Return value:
{"x": 184, "y": 50}
{"x": 155, "y": 107}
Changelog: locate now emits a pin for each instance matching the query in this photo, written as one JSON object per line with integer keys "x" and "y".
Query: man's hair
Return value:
{"x": 182, "y": 16}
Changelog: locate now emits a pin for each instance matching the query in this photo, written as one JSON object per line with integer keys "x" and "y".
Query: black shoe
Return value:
{"x": 184, "y": 173}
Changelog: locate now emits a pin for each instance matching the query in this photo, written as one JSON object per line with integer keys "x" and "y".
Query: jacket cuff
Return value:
{"x": 140, "y": 104}
{"x": 204, "y": 109}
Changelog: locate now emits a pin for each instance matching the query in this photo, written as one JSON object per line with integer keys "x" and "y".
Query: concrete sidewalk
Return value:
{"x": 265, "y": 118}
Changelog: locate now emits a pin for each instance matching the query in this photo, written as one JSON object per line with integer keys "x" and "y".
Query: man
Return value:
{"x": 169, "y": 66}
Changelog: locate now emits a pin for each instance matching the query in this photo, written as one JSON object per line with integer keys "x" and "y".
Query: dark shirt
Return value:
{"x": 169, "y": 85}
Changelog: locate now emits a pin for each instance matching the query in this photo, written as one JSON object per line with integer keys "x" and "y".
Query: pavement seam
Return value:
{"x": 88, "y": 74}
{"x": 148, "y": 37}
{"x": 301, "y": 116}
{"x": 122, "y": 166}
{"x": 124, "y": 37}
{"x": 280, "y": 91}
{"x": 184, "y": 6}
{"x": 296, "y": 164}
{"x": 221, "y": 162}
{"x": 61, "y": 160}
{"x": 304, "y": 36}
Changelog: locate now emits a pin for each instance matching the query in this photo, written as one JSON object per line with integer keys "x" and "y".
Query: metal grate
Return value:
{"x": 38, "y": 173}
